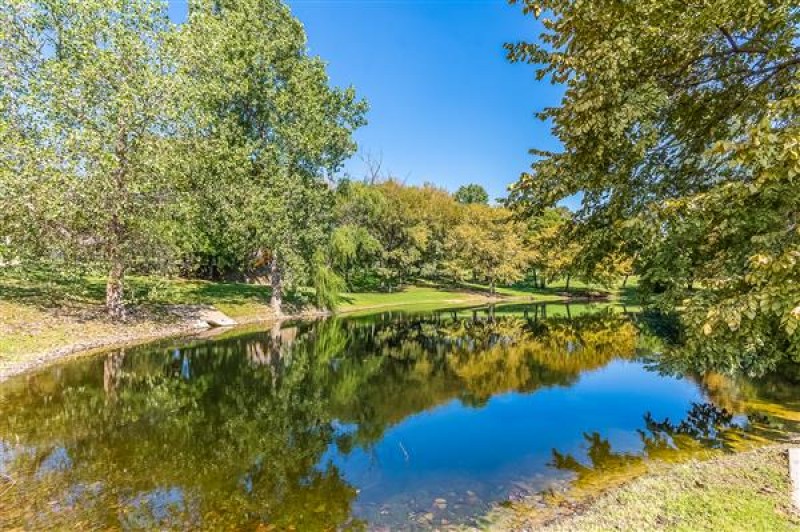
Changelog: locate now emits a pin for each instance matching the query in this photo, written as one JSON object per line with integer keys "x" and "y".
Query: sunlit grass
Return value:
{"x": 42, "y": 310}
{"x": 745, "y": 491}
{"x": 410, "y": 295}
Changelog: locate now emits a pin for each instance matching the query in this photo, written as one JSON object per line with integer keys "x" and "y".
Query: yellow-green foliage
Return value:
{"x": 680, "y": 131}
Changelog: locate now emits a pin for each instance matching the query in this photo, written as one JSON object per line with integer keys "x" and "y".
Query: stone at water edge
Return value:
{"x": 216, "y": 318}
{"x": 794, "y": 473}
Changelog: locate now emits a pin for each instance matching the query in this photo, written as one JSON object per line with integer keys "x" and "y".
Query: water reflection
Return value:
{"x": 404, "y": 419}
{"x": 704, "y": 429}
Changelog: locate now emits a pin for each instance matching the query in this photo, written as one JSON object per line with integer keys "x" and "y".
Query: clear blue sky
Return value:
{"x": 445, "y": 105}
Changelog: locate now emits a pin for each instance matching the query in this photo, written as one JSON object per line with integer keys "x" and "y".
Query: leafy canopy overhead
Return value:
{"x": 679, "y": 127}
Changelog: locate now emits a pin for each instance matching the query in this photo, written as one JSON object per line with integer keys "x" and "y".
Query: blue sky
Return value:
{"x": 445, "y": 105}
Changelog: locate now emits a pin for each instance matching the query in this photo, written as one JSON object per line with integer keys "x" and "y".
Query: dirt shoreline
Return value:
{"x": 186, "y": 327}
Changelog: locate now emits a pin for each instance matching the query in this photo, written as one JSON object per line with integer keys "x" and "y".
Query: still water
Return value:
{"x": 400, "y": 420}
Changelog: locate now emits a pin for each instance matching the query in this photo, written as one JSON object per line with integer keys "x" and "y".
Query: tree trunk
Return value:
{"x": 569, "y": 276}
{"x": 115, "y": 304}
{"x": 625, "y": 280}
{"x": 112, "y": 371}
{"x": 492, "y": 289}
{"x": 276, "y": 281}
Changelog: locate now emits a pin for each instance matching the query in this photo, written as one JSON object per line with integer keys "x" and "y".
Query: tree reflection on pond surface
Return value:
{"x": 395, "y": 419}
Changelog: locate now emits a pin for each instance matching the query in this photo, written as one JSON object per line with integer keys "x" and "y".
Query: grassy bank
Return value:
{"x": 744, "y": 491}
{"x": 422, "y": 295}
{"x": 41, "y": 312}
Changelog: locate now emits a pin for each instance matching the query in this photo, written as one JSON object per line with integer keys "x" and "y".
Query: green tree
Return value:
{"x": 551, "y": 253}
{"x": 487, "y": 246}
{"x": 355, "y": 248}
{"x": 274, "y": 133}
{"x": 85, "y": 112}
{"x": 680, "y": 130}
{"x": 412, "y": 230}
{"x": 469, "y": 194}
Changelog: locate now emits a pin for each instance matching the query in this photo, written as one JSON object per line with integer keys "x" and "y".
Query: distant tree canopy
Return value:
{"x": 469, "y": 194}
{"x": 388, "y": 234}
{"x": 680, "y": 131}
{"x": 487, "y": 245}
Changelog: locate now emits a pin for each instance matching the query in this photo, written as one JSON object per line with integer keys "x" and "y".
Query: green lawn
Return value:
{"x": 427, "y": 294}
{"x": 577, "y": 288}
{"x": 410, "y": 295}
{"x": 745, "y": 491}
{"x": 41, "y": 310}
{"x": 47, "y": 290}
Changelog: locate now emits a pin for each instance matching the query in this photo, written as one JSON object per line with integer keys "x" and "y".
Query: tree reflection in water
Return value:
{"x": 241, "y": 431}
{"x": 706, "y": 428}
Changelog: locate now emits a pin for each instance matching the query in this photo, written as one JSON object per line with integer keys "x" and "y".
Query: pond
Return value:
{"x": 395, "y": 420}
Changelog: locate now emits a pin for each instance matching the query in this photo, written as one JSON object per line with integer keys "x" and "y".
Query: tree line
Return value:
{"x": 388, "y": 234}
{"x": 213, "y": 149}
{"x": 384, "y": 234}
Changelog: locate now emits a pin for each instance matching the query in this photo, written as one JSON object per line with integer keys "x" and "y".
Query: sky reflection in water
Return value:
{"x": 395, "y": 419}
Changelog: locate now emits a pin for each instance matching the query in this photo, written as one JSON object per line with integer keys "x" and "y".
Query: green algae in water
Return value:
{"x": 398, "y": 419}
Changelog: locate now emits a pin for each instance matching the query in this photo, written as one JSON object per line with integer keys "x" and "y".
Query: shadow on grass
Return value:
{"x": 48, "y": 290}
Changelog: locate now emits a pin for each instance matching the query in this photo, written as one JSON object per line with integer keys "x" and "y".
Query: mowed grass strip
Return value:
{"x": 746, "y": 491}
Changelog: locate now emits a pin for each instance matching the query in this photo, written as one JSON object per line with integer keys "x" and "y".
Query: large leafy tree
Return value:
{"x": 679, "y": 126}
{"x": 269, "y": 133}
{"x": 84, "y": 115}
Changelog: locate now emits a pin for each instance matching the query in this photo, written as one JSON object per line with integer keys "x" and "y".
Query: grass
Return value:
{"x": 48, "y": 290}
{"x": 427, "y": 294}
{"x": 42, "y": 311}
{"x": 411, "y": 295}
{"x": 744, "y": 491}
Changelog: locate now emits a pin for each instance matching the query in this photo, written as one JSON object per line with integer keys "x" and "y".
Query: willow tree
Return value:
{"x": 679, "y": 127}
{"x": 84, "y": 113}
{"x": 267, "y": 134}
